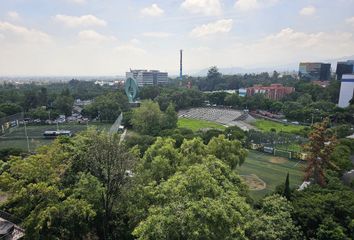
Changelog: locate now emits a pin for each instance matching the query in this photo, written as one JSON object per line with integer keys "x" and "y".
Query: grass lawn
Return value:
{"x": 291, "y": 147}
{"x": 267, "y": 125}
{"x": 271, "y": 170}
{"x": 16, "y": 137}
{"x": 196, "y": 124}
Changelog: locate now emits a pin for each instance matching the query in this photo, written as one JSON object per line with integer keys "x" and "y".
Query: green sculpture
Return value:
{"x": 131, "y": 89}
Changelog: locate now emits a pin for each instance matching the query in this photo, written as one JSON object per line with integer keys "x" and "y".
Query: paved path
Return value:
{"x": 123, "y": 136}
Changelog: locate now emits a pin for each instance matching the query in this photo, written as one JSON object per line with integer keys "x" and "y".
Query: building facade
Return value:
{"x": 145, "y": 77}
{"x": 242, "y": 92}
{"x": 274, "y": 91}
{"x": 346, "y": 90}
{"x": 346, "y": 67}
{"x": 315, "y": 71}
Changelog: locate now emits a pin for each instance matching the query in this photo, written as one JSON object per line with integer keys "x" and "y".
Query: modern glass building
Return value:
{"x": 315, "y": 71}
{"x": 346, "y": 67}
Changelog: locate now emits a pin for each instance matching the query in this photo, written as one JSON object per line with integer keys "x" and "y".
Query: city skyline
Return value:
{"x": 90, "y": 37}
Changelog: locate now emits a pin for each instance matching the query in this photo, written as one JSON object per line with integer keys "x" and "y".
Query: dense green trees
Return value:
{"x": 71, "y": 189}
{"x": 10, "y": 108}
{"x": 94, "y": 187}
{"x": 64, "y": 102}
{"x": 325, "y": 213}
{"x": 170, "y": 118}
{"x": 273, "y": 221}
{"x": 149, "y": 119}
{"x": 107, "y": 107}
{"x": 57, "y": 97}
{"x": 192, "y": 193}
{"x": 180, "y": 97}
{"x": 39, "y": 113}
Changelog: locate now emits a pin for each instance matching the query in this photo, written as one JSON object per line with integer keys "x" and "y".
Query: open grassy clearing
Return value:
{"x": 272, "y": 170}
{"x": 266, "y": 125}
{"x": 196, "y": 124}
{"x": 16, "y": 137}
{"x": 290, "y": 147}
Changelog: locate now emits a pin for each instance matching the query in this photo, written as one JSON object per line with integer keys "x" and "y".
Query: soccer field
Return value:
{"x": 267, "y": 125}
{"x": 16, "y": 138}
{"x": 271, "y": 170}
{"x": 196, "y": 124}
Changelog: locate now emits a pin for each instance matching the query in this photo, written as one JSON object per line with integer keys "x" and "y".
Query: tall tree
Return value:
{"x": 213, "y": 77}
{"x": 287, "y": 192}
{"x": 229, "y": 151}
{"x": 321, "y": 145}
{"x": 171, "y": 117}
{"x": 148, "y": 118}
{"x": 110, "y": 162}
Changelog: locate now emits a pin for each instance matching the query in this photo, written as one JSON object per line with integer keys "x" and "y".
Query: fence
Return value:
{"x": 8, "y": 122}
{"x": 116, "y": 124}
{"x": 279, "y": 152}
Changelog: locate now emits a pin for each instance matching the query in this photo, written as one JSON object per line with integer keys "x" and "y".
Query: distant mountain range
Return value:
{"x": 291, "y": 67}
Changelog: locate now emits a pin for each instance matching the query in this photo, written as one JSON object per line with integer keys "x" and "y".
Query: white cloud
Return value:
{"x": 350, "y": 20}
{"x": 93, "y": 36}
{"x": 247, "y": 5}
{"x": 206, "y": 7}
{"x": 13, "y": 15}
{"x": 29, "y": 35}
{"x": 135, "y": 41}
{"x": 85, "y": 20}
{"x": 289, "y": 45}
{"x": 129, "y": 49}
{"x": 153, "y": 11}
{"x": 157, "y": 34}
{"x": 220, "y": 26}
{"x": 77, "y": 1}
{"x": 308, "y": 11}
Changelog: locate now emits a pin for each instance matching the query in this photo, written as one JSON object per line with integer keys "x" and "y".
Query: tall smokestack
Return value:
{"x": 180, "y": 64}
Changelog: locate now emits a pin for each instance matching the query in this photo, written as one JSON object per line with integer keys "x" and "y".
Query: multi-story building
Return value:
{"x": 274, "y": 91}
{"x": 346, "y": 67}
{"x": 315, "y": 71}
{"x": 346, "y": 90}
{"x": 145, "y": 77}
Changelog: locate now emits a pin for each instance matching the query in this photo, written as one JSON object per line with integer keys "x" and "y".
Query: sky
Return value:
{"x": 108, "y": 37}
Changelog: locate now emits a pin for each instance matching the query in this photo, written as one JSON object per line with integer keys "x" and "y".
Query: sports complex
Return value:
{"x": 261, "y": 171}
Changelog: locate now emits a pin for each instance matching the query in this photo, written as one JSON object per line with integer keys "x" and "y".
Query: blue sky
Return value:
{"x": 107, "y": 37}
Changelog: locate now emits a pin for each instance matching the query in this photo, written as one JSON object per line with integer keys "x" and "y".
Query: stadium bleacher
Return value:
{"x": 227, "y": 117}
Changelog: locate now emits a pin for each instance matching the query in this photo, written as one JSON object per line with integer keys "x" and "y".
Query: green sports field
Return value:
{"x": 16, "y": 136}
{"x": 196, "y": 124}
{"x": 266, "y": 125}
{"x": 272, "y": 170}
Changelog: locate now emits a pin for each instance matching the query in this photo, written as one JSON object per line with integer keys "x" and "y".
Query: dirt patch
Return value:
{"x": 3, "y": 197}
{"x": 254, "y": 182}
{"x": 278, "y": 160}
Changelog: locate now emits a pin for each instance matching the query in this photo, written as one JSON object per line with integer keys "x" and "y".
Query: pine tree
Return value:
{"x": 287, "y": 192}
{"x": 319, "y": 150}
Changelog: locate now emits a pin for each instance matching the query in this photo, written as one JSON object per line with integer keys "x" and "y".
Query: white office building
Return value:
{"x": 346, "y": 90}
{"x": 145, "y": 77}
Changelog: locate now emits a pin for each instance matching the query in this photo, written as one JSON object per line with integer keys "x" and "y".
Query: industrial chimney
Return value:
{"x": 180, "y": 64}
